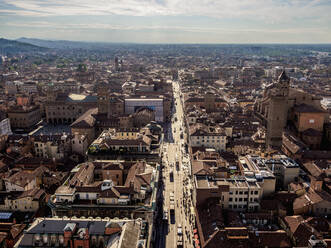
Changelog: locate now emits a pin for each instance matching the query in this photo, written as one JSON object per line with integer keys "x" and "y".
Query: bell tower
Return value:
{"x": 277, "y": 111}
{"x": 103, "y": 98}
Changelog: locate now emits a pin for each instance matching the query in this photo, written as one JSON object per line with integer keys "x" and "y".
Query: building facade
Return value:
{"x": 155, "y": 104}
{"x": 24, "y": 117}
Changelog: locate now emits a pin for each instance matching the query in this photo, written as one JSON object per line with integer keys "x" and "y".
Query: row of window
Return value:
{"x": 127, "y": 134}
{"x": 62, "y": 113}
{"x": 321, "y": 210}
{"x": 212, "y": 137}
{"x": 244, "y": 192}
{"x": 210, "y": 142}
{"x": 237, "y": 206}
{"x": 243, "y": 199}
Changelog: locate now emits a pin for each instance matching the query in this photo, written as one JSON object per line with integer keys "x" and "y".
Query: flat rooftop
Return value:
{"x": 208, "y": 182}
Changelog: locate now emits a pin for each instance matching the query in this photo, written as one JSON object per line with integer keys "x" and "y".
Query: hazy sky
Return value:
{"x": 169, "y": 21}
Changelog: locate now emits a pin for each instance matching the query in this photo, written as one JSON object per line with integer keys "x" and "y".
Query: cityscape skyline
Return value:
{"x": 168, "y": 21}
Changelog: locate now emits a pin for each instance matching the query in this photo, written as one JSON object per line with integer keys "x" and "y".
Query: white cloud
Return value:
{"x": 192, "y": 29}
{"x": 270, "y": 11}
{"x": 238, "y": 20}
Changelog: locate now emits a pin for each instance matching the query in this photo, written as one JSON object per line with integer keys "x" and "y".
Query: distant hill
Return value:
{"x": 12, "y": 47}
{"x": 59, "y": 44}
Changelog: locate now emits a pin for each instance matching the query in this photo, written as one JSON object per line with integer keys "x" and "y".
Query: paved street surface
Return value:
{"x": 174, "y": 149}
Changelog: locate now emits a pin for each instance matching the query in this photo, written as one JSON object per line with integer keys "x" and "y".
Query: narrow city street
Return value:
{"x": 176, "y": 180}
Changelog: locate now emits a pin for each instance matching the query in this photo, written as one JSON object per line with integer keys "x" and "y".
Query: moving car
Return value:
{"x": 165, "y": 214}
{"x": 179, "y": 241}
{"x": 179, "y": 230}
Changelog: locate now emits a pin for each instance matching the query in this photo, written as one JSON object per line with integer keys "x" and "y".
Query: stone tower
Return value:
{"x": 277, "y": 110}
{"x": 103, "y": 98}
{"x": 116, "y": 64}
{"x": 51, "y": 93}
{"x": 210, "y": 102}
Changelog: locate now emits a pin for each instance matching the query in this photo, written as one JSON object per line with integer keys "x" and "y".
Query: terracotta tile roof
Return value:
{"x": 125, "y": 190}
{"x": 302, "y": 235}
{"x": 310, "y": 198}
{"x": 35, "y": 193}
{"x": 200, "y": 168}
{"x": 85, "y": 171}
{"x": 86, "y": 120}
{"x": 110, "y": 193}
{"x": 293, "y": 222}
{"x": 113, "y": 166}
{"x": 220, "y": 237}
{"x": 271, "y": 239}
{"x": 16, "y": 230}
{"x": 22, "y": 178}
{"x": 304, "y": 108}
{"x": 3, "y": 236}
{"x": 146, "y": 178}
{"x": 292, "y": 144}
{"x": 312, "y": 169}
{"x": 209, "y": 219}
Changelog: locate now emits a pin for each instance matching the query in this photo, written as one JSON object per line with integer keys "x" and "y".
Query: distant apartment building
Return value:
{"x": 66, "y": 108}
{"x": 156, "y": 104}
{"x": 129, "y": 87}
{"x": 210, "y": 102}
{"x": 107, "y": 188}
{"x": 24, "y": 201}
{"x": 5, "y": 128}
{"x": 29, "y": 87}
{"x": 56, "y": 147}
{"x": 79, "y": 144}
{"x": 119, "y": 141}
{"x": 84, "y": 233}
{"x": 209, "y": 137}
{"x": 238, "y": 194}
{"x": 253, "y": 168}
{"x": 24, "y": 117}
{"x": 10, "y": 88}
{"x": 68, "y": 86}
{"x": 284, "y": 169}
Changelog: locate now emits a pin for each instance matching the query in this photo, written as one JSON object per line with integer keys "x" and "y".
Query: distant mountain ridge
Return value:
{"x": 12, "y": 47}
{"x": 60, "y": 44}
